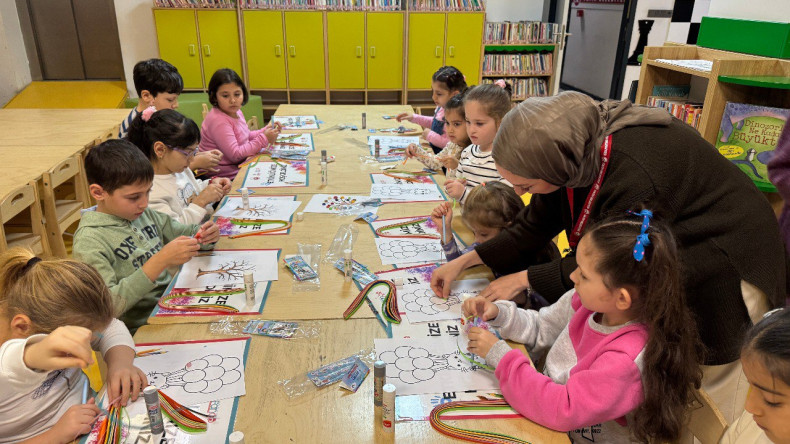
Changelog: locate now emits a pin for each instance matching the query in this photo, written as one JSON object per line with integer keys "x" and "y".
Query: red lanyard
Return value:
{"x": 584, "y": 217}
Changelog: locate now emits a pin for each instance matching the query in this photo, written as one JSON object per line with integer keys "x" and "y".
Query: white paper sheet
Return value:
{"x": 413, "y": 192}
{"x": 405, "y": 250}
{"x": 400, "y": 179}
{"x": 291, "y": 173}
{"x": 296, "y": 122}
{"x": 429, "y": 365}
{"x": 261, "y": 208}
{"x": 228, "y": 267}
{"x": 294, "y": 142}
{"x": 339, "y": 204}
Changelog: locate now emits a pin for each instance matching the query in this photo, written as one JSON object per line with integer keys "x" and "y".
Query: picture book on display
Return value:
{"x": 748, "y": 136}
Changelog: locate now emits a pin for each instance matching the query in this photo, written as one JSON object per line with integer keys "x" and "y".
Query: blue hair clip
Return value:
{"x": 642, "y": 240}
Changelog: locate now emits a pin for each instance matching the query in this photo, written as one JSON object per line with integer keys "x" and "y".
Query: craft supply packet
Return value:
{"x": 359, "y": 272}
{"x": 331, "y": 373}
{"x": 301, "y": 270}
{"x": 367, "y": 217}
{"x": 273, "y": 329}
{"x": 355, "y": 376}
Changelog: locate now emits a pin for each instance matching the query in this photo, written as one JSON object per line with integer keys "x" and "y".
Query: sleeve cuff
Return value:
{"x": 497, "y": 352}
{"x": 13, "y": 363}
{"x": 506, "y": 312}
{"x": 546, "y": 279}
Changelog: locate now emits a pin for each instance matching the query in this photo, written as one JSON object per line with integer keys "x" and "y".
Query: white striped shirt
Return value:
{"x": 127, "y": 122}
{"x": 477, "y": 167}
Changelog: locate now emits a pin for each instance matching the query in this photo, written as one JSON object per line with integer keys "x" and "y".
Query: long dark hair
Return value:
{"x": 167, "y": 126}
{"x": 221, "y": 77}
{"x": 671, "y": 374}
{"x": 452, "y": 78}
{"x": 769, "y": 341}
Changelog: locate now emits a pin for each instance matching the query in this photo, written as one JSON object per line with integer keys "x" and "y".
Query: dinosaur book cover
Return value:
{"x": 748, "y": 135}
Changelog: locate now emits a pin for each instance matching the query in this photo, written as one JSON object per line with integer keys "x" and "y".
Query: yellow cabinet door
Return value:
{"x": 346, "y": 48}
{"x": 176, "y": 32}
{"x": 304, "y": 38}
{"x": 219, "y": 41}
{"x": 385, "y": 50}
{"x": 464, "y": 38}
{"x": 426, "y": 48}
{"x": 263, "y": 38}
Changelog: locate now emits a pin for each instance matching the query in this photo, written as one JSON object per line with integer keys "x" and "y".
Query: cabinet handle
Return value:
{"x": 372, "y": 51}
{"x": 438, "y": 51}
{"x": 191, "y": 49}
{"x": 278, "y": 50}
{"x": 451, "y": 50}
{"x": 207, "y": 50}
{"x": 359, "y": 51}
{"x": 292, "y": 51}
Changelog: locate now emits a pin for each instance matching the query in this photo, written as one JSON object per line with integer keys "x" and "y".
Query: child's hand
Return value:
{"x": 78, "y": 420}
{"x": 212, "y": 193}
{"x": 425, "y": 133}
{"x": 443, "y": 209}
{"x": 481, "y": 341}
{"x": 209, "y": 233}
{"x": 271, "y": 133}
{"x": 125, "y": 381}
{"x": 404, "y": 116}
{"x": 206, "y": 160}
{"x": 412, "y": 150}
{"x": 481, "y": 308}
{"x": 65, "y": 347}
{"x": 448, "y": 162}
{"x": 455, "y": 187}
{"x": 224, "y": 184}
{"x": 178, "y": 251}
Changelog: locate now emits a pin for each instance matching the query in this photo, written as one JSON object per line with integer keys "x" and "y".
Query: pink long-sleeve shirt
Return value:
{"x": 231, "y": 136}
{"x": 439, "y": 140}
{"x": 593, "y": 372}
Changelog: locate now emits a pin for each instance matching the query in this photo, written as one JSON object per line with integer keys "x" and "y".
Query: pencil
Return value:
{"x": 85, "y": 388}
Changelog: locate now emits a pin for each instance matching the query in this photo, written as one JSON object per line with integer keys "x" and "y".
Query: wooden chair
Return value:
{"x": 22, "y": 221}
{"x": 706, "y": 422}
{"x": 64, "y": 191}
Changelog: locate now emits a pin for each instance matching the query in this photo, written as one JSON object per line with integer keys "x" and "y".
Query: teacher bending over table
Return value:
{"x": 582, "y": 161}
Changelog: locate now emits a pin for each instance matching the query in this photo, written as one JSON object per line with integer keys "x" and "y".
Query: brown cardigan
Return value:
{"x": 726, "y": 229}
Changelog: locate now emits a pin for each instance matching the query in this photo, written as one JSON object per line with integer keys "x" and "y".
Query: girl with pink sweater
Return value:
{"x": 225, "y": 127}
{"x": 610, "y": 341}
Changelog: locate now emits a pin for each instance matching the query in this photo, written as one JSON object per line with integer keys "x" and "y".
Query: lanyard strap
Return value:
{"x": 584, "y": 216}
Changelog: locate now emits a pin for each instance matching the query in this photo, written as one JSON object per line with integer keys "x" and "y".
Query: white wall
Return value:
{"x": 137, "y": 34}
{"x": 14, "y": 67}
{"x": 514, "y": 10}
{"x": 656, "y": 37}
{"x": 768, "y": 10}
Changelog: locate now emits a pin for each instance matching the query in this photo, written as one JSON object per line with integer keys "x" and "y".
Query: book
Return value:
{"x": 748, "y": 136}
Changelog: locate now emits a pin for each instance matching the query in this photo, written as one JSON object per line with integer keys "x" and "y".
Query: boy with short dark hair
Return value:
{"x": 131, "y": 245}
{"x": 158, "y": 84}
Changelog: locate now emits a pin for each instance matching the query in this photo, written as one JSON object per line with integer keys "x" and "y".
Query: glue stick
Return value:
{"x": 323, "y": 156}
{"x": 379, "y": 376}
{"x": 324, "y": 174}
{"x": 388, "y": 408}
{"x": 236, "y": 438}
{"x": 364, "y": 120}
{"x": 249, "y": 288}
{"x": 151, "y": 395}
{"x": 245, "y": 198}
{"x": 300, "y": 216}
{"x": 348, "y": 264}
{"x": 377, "y": 149}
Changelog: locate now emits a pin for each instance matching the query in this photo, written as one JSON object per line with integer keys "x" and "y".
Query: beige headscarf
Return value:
{"x": 558, "y": 138}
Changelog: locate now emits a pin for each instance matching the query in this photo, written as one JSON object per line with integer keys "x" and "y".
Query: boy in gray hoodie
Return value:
{"x": 131, "y": 245}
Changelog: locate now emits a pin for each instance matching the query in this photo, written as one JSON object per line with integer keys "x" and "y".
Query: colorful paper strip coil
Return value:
{"x": 389, "y": 307}
{"x": 380, "y": 231}
{"x": 471, "y": 435}
{"x": 181, "y": 416}
{"x": 110, "y": 428}
{"x": 165, "y": 303}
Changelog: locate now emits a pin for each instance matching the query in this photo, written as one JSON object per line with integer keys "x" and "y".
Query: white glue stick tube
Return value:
{"x": 249, "y": 288}
{"x": 388, "y": 408}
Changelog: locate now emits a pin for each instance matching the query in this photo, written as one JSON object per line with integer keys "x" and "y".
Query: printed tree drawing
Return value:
{"x": 398, "y": 191}
{"x": 413, "y": 365}
{"x": 259, "y": 210}
{"x": 228, "y": 271}
{"x": 406, "y": 249}
{"x": 425, "y": 301}
{"x": 204, "y": 375}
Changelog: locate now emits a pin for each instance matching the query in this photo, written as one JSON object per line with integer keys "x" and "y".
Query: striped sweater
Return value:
{"x": 477, "y": 166}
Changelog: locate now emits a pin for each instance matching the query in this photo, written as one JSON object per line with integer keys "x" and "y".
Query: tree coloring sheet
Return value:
{"x": 412, "y": 192}
{"x": 221, "y": 267}
{"x": 290, "y": 123}
{"x": 261, "y": 208}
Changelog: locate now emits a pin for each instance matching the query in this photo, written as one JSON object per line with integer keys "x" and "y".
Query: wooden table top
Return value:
{"x": 330, "y": 415}
{"x": 49, "y": 127}
{"x": 21, "y": 164}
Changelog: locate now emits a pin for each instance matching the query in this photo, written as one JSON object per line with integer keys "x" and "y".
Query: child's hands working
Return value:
{"x": 425, "y": 133}
{"x": 78, "y": 420}
{"x": 208, "y": 233}
{"x": 176, "y": 252}
{"x": 404, "y": 116}
{"x": 223, "y": 183}
{"x": 206, "y": 160}
{"x": 481, "y": 341}
{"x": 212, "y": 193}
{"x": 480, "y": 307}
{"x": 443, "y": 209}
{"x": 124, "y": 380}
{"x": 65, "y": 347}
{"x": 448, "y": 162}
{"x": 412, "y": 151}
{"x": 271, "y": 132}
{"x": 455, "y": 187}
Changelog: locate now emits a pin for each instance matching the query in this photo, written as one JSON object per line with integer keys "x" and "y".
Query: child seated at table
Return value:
{"x": 131, "y": 245}
{"x": 455, "y": 129}
{"x": 225, "y": 128}
{"x": 49, "y": 310}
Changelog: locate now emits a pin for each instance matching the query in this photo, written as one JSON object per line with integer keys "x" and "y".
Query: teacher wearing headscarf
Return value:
{"x": 582, "y": 161}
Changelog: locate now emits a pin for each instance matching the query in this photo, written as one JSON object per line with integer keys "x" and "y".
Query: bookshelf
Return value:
{"x": 523, "y": 54}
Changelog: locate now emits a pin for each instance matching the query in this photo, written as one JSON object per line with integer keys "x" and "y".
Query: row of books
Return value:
{"x": 330, "y": 5}
{"x": 524, "y": 88}
{"x": 521, "y": 32}
{"x": 679, "y": 107}
{"x": 535, "y": 63}
{"x": 446, "y": 5}
{"x": 217, "y": 4}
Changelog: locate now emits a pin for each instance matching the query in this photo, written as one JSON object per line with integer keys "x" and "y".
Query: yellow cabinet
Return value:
{"x": 219, "y": 41}
{"x": 426, "y": 48}
{"x": 265, "y": 49}
{"x": 176, "y": 32}
{"x": 304, "y": 33}
{"x": 385, "y": 50}
{"x": 346, "y": 48}
{"x": 464, "y": 39}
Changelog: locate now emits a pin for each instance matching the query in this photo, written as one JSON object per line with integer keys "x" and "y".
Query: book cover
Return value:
{"x": 748, "y": 135}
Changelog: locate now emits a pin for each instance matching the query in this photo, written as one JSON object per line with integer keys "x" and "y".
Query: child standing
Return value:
{"x": 612, "y": 341}
{"x": 489, "y": 208}
{"x": 130, "y": 245}
{"x": 485, "y": 106}
{"x": 170, "y": 140}
{"x": 766, "y": 362}
{"x": 447, "y": 81}
{"x": 49, "y": 310}
{"x": 455, "y": 128}
{"x": 225, "y": 127}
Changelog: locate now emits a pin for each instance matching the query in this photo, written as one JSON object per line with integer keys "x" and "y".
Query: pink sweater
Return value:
{"x": 233, "y": 138}
{"x": 439, "y": 140}
{"x": 593, "y": 377}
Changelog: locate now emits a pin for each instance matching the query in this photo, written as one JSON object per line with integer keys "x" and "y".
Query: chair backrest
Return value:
{"x": 16, "y": 201}
{"x": 252, "y": 124}
{"x": 706, "y": 423}
{"x": 205, "y": 110}
{"x": 64, "y": 171}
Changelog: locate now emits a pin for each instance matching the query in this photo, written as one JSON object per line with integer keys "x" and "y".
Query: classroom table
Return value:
{"x": 330, "y": 415}
{"x": 50, "y": 127}
{"x": 21, "y": 165}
